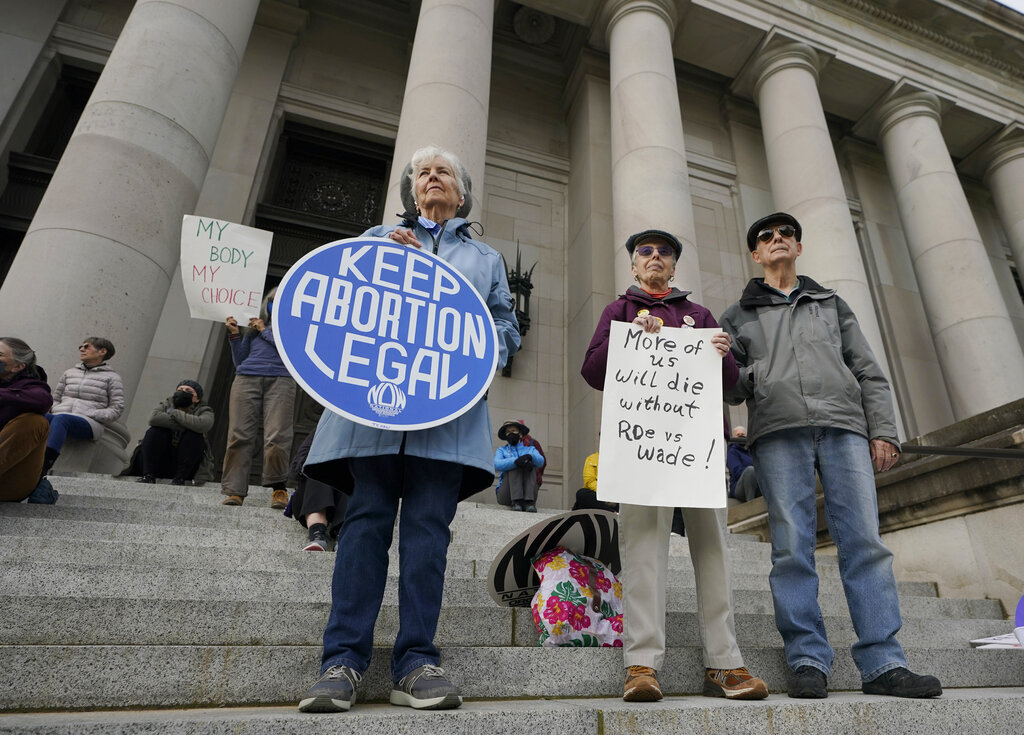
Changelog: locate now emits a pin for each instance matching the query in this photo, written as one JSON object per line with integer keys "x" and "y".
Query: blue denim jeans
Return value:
{"x": 785, "y": 463}
{"x": 428, "y": 490}
{"x": 63, "y": 425}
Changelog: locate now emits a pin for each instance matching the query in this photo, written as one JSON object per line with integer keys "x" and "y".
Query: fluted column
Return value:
{"x": 100, "y": 252}
{"x": 650, "y": 180}
{"x": 806, "y": 182}
{"x": 1005, "y": 179}
{"x": 447, "y": 90}
{"x": 981, "y": 359}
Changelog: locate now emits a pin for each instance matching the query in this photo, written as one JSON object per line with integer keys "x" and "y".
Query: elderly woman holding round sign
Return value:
{"x": 644, "y": 530}
{"x": 381, "y": 306}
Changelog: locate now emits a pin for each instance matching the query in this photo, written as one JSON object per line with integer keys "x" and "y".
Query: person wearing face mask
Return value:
{"x": 24, "y": 400}
{"x": 517, "y": 462}
{"x": 263, "y": 391}
{"x": 175, "y": 441}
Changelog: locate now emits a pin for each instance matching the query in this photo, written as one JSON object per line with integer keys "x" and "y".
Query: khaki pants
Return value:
{"x": 256, "y": 398}
{"x": 643, "y": 546}
{"x": 22, "y": 448}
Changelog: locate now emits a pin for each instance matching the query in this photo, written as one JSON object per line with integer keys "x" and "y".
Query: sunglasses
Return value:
{"x": 769, "y": 232}
{"x": 648, "y": 250}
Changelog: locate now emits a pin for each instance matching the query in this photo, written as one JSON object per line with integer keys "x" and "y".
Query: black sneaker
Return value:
{"x": 903, "y": 683}
{"x": 808, "y": 682}
{"x": 426, "y": 688}
{"x": 318, "y": 541}
{"x": 334, "y": 691}
{"x": 148, "y": 479}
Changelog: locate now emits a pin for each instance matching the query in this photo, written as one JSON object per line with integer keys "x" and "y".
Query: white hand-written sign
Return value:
{"x": 223, "y": 268}
{"x": 662, "y": 438}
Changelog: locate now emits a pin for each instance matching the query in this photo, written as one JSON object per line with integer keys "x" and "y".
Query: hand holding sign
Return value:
{"x": 661, "y": 428}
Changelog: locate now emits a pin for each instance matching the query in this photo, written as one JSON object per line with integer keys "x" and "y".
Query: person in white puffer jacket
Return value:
{"x": 87, "y": 397}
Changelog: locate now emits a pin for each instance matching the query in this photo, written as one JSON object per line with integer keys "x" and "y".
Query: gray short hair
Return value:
{"x": 428, "y": 153}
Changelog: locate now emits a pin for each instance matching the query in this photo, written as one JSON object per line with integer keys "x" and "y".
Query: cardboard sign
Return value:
{"x": 662, "y": 437}
{"x": 512, "y": 580}
{"x": 386, "y": 335}
{"x": 223, "y": 268}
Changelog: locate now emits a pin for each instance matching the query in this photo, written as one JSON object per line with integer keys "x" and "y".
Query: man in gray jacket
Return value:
{"x": 818, "y": 400}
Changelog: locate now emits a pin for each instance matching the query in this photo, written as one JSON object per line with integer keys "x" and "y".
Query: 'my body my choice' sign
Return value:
{"x": 383, "y": 334}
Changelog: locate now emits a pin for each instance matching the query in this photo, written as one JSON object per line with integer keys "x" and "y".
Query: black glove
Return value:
{"x": 525, "y": 461}
{"x": 181, "y": 399}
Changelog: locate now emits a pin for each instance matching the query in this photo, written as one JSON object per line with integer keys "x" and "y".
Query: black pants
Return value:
{"x": 161, "y": 458}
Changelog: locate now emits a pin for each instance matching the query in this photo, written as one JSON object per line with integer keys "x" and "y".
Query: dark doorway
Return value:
{"x": 323, "y": 187}
{"x": 29, "y": 171}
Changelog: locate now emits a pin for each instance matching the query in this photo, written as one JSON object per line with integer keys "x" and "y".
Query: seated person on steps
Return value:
{"x": 517, "y": 462}
{"x": 88, "y": 397}
{"x": 24, "y": 400}
{"x": 175, "y": 441}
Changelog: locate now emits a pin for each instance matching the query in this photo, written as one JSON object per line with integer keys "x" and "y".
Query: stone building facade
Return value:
{"x": 892, "y": 129}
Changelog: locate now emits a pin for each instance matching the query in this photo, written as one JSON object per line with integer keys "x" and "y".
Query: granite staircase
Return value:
{"x": 139, "y": 608}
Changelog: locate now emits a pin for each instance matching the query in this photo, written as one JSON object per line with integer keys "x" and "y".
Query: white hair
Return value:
{"x": 428, "y": 153}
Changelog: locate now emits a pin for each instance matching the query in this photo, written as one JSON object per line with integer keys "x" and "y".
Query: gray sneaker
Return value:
{"x": 426, "y": 688}
{"x": 334, "y": 691}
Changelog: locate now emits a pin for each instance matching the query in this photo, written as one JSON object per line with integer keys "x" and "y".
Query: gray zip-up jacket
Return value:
{"x": 805, "y": 363}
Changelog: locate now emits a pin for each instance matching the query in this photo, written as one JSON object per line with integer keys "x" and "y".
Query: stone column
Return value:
{"x": 1005, "y": 179}
{"x": 981, "y": 359}
{"x": 650, "y": 177}
{"x": 447, "y": 91}
{"x": 181, "y": 343}
{"x": 100, "y": 253}
{"x": 806, "y": 181}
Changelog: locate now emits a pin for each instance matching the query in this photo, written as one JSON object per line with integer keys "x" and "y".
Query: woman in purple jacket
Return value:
{"x": 24, "y": 400}
{"x": 263, "y": 391}
{"x": 644, "y": 530}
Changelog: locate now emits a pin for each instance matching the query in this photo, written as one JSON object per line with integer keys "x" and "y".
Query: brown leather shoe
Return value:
{"x": 641, "y": 685}
{"x": 233, "y": 500}
{"x": 733, "y": 684}
{"x": 279, "y": 499}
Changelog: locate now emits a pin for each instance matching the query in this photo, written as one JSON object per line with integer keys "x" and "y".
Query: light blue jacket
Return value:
{"x": 505, "y": 458}
{"x": 465, "y": 440}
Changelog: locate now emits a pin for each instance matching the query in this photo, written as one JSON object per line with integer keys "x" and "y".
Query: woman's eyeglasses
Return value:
{"x": 648, "y": 250}
{"x": 769, "y": 232}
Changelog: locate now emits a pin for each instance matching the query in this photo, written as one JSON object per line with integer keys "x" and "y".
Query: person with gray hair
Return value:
{"x": 416, "y": 476}
{"x": 643, "y": 529}
{"x": 24, "y": 400}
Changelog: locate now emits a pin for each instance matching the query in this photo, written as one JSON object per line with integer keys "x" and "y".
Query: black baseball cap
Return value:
{"x": 647, "y": 235}
{"x": 779, "y": 218}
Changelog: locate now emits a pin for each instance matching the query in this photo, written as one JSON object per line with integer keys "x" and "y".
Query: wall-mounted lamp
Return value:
{"x": 520, "y": 283}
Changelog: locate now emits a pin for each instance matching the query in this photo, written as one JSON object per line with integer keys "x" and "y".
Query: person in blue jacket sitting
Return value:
{"x": 517, "y": 462}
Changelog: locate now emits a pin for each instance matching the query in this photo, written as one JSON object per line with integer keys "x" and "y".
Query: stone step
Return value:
{"x": 487, "y": 523}
{"x": 69, "y": 677}
{"x": 49, "y": 620}
{"x": 995, "y": 712}
{"x": 78, "y": 580}
{"x": 60, "y": 551}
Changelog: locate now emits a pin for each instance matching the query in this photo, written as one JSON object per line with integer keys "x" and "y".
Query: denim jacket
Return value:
{"x": 465, "y": 440}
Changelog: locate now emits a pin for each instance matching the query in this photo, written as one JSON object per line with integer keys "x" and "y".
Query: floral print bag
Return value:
{"x": 579, "y": 602}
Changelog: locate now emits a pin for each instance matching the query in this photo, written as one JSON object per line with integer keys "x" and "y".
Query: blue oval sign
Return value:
{"x": 386, "y": 335}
